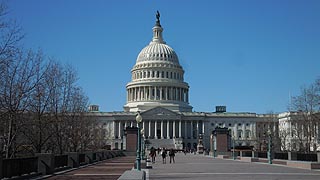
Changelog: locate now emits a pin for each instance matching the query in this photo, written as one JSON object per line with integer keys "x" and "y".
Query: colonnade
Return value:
{"x": 162, "y": 129}
{"x": 146, "y": 74}
{"x": 146, "y": 93}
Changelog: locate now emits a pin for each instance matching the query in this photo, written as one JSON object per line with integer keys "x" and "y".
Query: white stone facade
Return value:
{"x": 178, "y": 129}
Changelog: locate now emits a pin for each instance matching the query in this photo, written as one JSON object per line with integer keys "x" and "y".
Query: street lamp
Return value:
{"x": 269, "y": 147}
{"x": 233, "y": 155}
{"x": 139, "y": 120}
{"x": 142, "y": 145}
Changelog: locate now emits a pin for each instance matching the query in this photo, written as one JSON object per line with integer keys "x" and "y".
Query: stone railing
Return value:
{"x": 291, "y": 159}
{"x": 45, "y": 163}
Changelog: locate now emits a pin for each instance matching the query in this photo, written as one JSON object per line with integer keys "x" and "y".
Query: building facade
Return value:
{"x": 158, "y": 91}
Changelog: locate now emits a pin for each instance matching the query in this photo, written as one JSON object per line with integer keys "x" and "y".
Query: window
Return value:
{"x": 230, "y": 124}
{"x": 247, "y": 134}
{"x": 212, "y": 124}
{"x": 239, "y": 133}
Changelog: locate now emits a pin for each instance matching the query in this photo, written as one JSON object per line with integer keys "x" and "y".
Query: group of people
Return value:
{"x": 164, "y": 153}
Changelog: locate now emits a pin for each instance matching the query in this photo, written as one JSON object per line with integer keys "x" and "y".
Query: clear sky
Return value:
{"x": 249, "y": 55}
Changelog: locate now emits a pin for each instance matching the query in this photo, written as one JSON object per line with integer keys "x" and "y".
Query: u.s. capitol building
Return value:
{"x": 159, "y": 92}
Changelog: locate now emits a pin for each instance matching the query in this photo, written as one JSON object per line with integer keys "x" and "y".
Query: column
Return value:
{"x": 236, "y": 130}
{"x": 149, "y": 98}
{"x": 145, "y": 93}
{"x": 177, "y": 95}
{"x": 168, "y": 130}
{"x": 191, "y": 129}
{"x": 143, "y": 127}
{"x": 251, "y": 130}
{"x": 125, "y": 124}
{"x": 114, "y": 129}
{"x": 127, "y": 95}
{"x": 161, "y": 129}
{"x": 187, "y": 96}
{"x": 155, "y": 93}
{"x": 155, "y": 130}
{"x": 134, "y": 94}
{"x": 185, "y": 130}
{"x": 180, "y": 129}
{"x": 119, "y": 137}
{"x": 149, "y": 131}
{"x": 166, "y": 93}
{"x": 171, "y": 93}
{"x": 197, "y": 129}
{"x": 203, "y": 127}
{"x": 160, "y": 93}
{"x": 131, "y": 123}
{"x": 174, "y": 129}
{"x": 131, "y": 92}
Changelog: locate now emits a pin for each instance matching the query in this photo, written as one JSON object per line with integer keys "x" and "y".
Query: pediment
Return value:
{"x": 161, "y": 113}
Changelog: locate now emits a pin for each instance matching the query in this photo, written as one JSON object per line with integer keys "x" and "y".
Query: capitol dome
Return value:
{"x": 157, "y": 78}
{"x": 158, "y": 52}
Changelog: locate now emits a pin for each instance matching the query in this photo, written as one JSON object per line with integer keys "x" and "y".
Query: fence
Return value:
{"x": 19, "y": 166}
{"x": 49, "y": 163}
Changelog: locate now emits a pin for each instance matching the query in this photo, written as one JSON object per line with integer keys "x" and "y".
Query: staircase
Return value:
{"x": 161, "y": 143}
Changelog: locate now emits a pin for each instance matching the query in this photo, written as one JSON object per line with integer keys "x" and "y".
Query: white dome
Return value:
{"x": 157, "y": 78}
{"x": 158, "y": 52}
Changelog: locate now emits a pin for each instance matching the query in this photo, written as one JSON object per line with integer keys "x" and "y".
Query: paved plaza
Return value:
{"x": 199, "y": 167}
{"x": 108, "y": 169}
{"x": 190, "y": 166}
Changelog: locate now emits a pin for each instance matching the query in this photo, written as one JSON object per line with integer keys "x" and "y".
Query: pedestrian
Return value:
{"x": 171, "y": 155}
{"x": 153, "y": 154}
{"x": 164, "y": 155}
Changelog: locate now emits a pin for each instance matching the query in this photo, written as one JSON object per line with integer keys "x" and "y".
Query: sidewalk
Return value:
{"x": 108, "y": 169}
{"x": 200, "y": 167}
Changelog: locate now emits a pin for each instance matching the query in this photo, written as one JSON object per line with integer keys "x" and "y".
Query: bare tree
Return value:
{"x": 306, "y": 122}
{"x": 18, "y": 82}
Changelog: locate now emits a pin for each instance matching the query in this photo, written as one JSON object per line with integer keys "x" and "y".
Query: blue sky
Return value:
{"x": 249, "y": 55}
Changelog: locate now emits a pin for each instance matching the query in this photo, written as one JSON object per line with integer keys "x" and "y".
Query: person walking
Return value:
{"x": 164, "y": 155}
{"x": 172, "y": 154}
{"x": 153, "y": 154}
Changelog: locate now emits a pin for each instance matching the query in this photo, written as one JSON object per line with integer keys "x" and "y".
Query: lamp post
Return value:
{"x": 233, "y": 155}
{"x": 269, "y": 147}
{"x": 139, "y": 120}
{"x": 142, "y": 145}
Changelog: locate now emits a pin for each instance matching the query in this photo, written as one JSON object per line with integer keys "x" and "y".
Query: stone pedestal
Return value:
{"x": 131, "y": 138}
{"x": 221, "y": 139}
{"x": 73, "y": 159}
{"x": 89, "y": 157}
{"x": 45, "y": 163}
{"x": 292, "y": 156}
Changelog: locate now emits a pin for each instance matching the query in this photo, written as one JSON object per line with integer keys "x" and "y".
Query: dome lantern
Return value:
{"x": 157, "y": 31}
